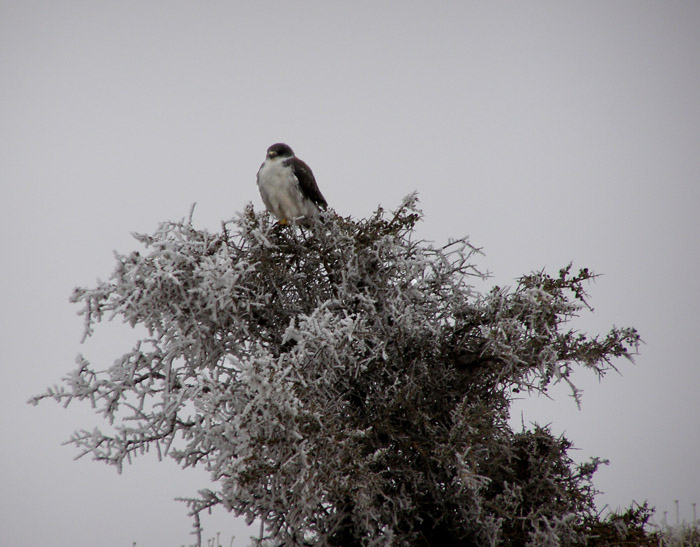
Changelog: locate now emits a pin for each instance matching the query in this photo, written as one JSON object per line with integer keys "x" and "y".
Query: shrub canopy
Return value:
{"x": 345, "y": 382}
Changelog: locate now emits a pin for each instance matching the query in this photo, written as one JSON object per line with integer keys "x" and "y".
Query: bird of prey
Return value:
{"x": 288, "y": 187}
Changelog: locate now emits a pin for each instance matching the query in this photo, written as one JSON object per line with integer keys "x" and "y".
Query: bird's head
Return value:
{"x": 279, "y": 150}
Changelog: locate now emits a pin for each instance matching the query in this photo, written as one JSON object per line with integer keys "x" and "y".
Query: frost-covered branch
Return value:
{"x": 344, "y": 383}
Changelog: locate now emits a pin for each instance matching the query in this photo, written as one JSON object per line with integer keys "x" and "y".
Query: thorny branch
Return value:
{"x": 344, "y": 383}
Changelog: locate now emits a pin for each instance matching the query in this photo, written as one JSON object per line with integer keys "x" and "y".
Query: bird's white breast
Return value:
{"x": 280, "y": 192}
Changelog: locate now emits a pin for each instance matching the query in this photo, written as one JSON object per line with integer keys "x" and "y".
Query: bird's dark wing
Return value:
{"x": 307, "y": 182}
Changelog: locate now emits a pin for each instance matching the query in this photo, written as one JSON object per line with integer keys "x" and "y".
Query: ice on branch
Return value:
{"x": 345, "y": 382}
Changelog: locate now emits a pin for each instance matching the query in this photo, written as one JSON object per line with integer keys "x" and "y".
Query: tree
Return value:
{"x": 346, "y": 383}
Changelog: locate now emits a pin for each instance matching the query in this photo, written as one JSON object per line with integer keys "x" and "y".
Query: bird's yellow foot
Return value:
{"x": 283, "y": 222}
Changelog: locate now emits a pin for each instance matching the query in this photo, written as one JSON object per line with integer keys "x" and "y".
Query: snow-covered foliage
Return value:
{"x": 682, "y": 534}
{"x": 344, "y": 383}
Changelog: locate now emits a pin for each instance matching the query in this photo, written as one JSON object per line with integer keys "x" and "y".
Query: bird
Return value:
{"x": 288, "y": 187}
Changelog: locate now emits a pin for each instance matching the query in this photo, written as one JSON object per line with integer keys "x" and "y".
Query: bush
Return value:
{"x": 346, "y": 383}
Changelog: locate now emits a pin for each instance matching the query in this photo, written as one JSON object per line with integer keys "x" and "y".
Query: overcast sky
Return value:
{"x": 548, "y": 132}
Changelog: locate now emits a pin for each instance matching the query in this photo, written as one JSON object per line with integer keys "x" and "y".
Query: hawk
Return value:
{"x": 288, "y": 187}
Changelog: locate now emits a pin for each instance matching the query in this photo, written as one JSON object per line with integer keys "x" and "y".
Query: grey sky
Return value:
{"x": 546, "y": 131}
